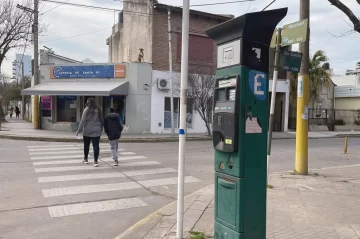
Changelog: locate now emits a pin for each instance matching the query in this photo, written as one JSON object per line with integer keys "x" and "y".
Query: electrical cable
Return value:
{"x": 55, "y": 7}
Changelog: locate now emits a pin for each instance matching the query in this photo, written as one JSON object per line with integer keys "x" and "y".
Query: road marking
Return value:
{"x": 90, "y": 167}
{"x": 49, "y": 146}
{"x": 56, "y": 192}
{"x": 67, "y": 152}
{"x": 76, "y": 161}
{"x": 78, "y": 177}
{"x": 167, "y": 181}
{"x": 53, "y": 149}
{"x": 60, "y": 149}
{"x": 134, "y": 164}
{"x": 127, "y": 153}
{"x": 103, "y": 206}
{"x": 58, "y": 157}
{"x": 149, "y": 171}
{"x": 62, "y": 169}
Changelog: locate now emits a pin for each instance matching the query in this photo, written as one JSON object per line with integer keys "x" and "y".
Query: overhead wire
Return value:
{"x": 55, "y": 7}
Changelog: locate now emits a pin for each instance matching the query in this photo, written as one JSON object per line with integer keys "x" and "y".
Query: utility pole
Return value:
{"x": 22, "y": 88}
{"x": 301, "y": 160}
{"x": 183, "y": 106}
{"x": 170, "y": 78}
{"x": 273, "y": 96}
{"x": 35, "y": 105}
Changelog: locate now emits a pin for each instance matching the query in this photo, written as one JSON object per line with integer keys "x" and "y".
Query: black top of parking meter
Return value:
{"x": 256, "y": 27}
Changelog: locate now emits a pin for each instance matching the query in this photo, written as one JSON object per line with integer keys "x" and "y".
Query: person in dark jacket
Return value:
{"x": 113, "y": 128}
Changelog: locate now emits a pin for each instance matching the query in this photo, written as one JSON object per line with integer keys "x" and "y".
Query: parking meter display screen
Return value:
{"x": 232, "y": 94}
{"x": 221, "y": 95}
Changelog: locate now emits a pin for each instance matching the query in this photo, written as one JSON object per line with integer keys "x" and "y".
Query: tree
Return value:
{"x": 15, "y": 29}
{"x": 201, "y": 91}
{"x": 350, "y": 14}
{"x": 317, "y": 77}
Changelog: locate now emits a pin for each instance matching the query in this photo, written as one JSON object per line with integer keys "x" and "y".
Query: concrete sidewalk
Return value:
{"x": 22, "y": 130}
{"x": 325, "y": 204}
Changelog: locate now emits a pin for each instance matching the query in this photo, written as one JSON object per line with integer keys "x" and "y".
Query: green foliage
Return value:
{"x": 198, "y": 235}
{"x": 317, "y": 77}
{"x": 339, "y": 122}
{"x": 357, "y": 117}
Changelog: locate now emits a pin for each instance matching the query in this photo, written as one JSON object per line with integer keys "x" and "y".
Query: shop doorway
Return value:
{"x": 116, "y": 102}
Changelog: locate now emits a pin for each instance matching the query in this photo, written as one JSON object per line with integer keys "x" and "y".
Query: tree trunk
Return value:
{"x": 208, "y": 128}
{"x": 2, "y": 115}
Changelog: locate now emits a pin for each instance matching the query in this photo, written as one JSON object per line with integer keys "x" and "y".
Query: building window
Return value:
{"x": 201, "y": 49}
{"x": 167, "y": 113}
{"x": 66, "y": 108}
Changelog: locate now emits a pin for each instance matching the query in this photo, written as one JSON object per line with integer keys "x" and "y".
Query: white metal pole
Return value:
{"x": 22, "y": 87}
{"x": 170, "y": 77}
{"x": 182, "y": 128}
{"x": 273, "y": 98}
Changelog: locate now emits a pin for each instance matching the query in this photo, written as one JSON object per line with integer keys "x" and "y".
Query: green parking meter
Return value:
{"x": 240, "y": 123}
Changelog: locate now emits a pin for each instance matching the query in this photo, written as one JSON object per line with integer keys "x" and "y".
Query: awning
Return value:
{"x": 79, "y": 88}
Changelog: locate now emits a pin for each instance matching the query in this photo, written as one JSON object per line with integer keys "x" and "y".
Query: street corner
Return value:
{"x": 162, "y": 223}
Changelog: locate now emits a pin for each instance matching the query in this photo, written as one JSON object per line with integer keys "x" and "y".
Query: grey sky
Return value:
{"x": 66, "y": 22}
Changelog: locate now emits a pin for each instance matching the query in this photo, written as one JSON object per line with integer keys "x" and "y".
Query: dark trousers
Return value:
{"x": 95, "y": 142}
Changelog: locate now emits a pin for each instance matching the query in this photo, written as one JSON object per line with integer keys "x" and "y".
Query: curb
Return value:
{"x": 159, "y": 214}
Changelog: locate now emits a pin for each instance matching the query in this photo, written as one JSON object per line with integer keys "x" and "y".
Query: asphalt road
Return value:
{"x": 46, "y": 192}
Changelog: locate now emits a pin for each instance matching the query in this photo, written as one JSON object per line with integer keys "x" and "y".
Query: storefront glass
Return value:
{"x": 167, "y": 113}
{"x": 118, "y": 103}
{"x": 66, "y": 108}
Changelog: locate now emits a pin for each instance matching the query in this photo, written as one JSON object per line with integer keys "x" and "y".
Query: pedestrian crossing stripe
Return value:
{"x": 65, "y": 191}
{"x": 91, "y": 207}
{"x": 63, "y": 148}
{"x": 69, "y": 152}
{"x": 77, "y": 161}
{"x": 75, "y": 156}
{"x": 89, "y": 167}
{"x": 77, "y": 177}
{"x": 63, "y": 145}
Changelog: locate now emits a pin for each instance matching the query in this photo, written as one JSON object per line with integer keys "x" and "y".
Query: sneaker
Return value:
{"x": 116, "y": 162}
{"x": 85, "y": 161}
{"x": 96, "y": 164}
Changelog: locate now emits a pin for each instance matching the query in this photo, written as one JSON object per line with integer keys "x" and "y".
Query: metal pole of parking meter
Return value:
{"x": 182, "y": 128}
{"x": 273, "y": 97}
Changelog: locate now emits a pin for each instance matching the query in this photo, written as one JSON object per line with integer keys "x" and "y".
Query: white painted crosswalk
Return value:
{"x": 63, "y": 177}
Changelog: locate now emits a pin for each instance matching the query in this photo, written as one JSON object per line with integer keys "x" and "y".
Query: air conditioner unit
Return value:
{"x": 163, "y": 84}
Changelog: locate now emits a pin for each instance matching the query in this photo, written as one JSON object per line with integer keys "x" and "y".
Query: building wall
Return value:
{"x": 138, "y": 101}
{"x": 158, "y": 105}
{"x": 197, "y": 59}
{"x": 347, "y": 103}
{"x": 137, "y": 30}
{"x": 345, "y": 80}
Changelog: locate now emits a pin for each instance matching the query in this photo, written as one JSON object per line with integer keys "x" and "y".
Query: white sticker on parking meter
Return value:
{"x": 252, "y": 126}
{"x": 257, "y": 82}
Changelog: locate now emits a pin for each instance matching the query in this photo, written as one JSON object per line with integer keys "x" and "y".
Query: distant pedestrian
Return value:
{"x": 17, "y": 112}
{"x": 91, "y": 125}
{"x": 11, "y": 111}
{"x": 113, "y": 128}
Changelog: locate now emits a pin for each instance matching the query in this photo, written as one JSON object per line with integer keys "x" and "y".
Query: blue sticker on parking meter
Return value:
{"x": 257, "y": 82}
